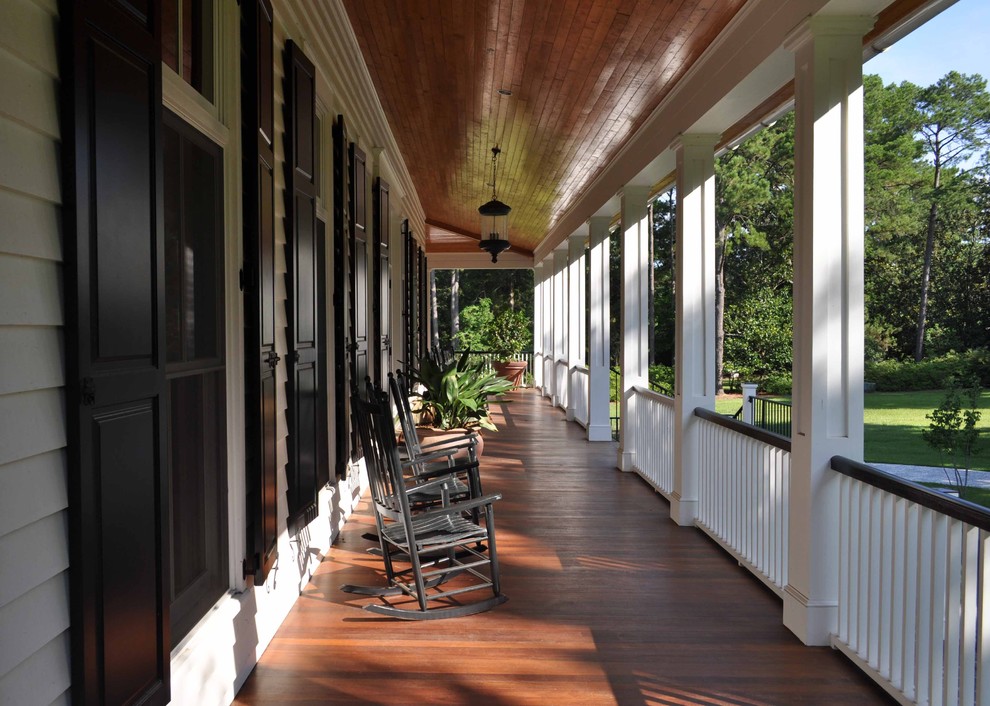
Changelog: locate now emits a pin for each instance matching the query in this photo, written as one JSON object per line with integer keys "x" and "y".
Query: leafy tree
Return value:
{"x": 954, "y": 125}
{"x": 754, "y": 194}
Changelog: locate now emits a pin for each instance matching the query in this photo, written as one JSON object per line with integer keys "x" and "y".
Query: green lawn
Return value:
{"x": 893, "y": 422}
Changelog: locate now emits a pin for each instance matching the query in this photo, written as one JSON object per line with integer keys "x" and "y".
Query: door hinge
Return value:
{"x": 250, "y": 565}
{"x": 87, "y": 393}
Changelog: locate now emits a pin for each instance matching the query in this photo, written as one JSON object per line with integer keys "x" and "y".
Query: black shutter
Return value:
{"x": 322, "y": 372}
{"x": 341, "y": 296}
{"x": 382, "y": 282}
{"x": 114, "y": 303}
{"x": 410, "y": 317}
{"x": 260, "y": 359}
{"x": 424, "y": 304}
{"x": 301, "y": 280}
{"x": 358, "y": 248}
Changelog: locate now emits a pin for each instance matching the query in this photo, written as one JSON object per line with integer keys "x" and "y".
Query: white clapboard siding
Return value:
{"x": 42, "y": 678}
{"x": 31, "y": 617}
{"x": 31, "y": 489}
{"x": 34, "y": 556}
{"x": 32, "y": 358}
{"x": 30, "y": 226}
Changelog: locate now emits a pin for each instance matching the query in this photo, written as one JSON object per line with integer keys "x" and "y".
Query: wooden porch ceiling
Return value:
{"x": 609, "y": 603}
{"x": 584, "y": 75}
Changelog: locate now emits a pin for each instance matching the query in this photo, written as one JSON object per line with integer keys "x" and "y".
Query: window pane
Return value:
{"x": 170, "y": 34}
{"x": 202, "y": 236}
{"x": 173, "y": 247}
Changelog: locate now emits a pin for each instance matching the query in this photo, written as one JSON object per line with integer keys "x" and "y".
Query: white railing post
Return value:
{"x": 537, "y": 370}
{"x": 559, "y": 323}
{"x": 695, "y": 315}
{"x": 749, "y": 390}
{"x": 828, "y": 307}
{"x": 575, "y": 317}
{"x": 635, "y": 230}
{"x": 599, "y": 412}
{"x": 548, "y": 326}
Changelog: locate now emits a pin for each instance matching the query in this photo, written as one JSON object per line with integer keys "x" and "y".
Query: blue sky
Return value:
{"x": 957, "y": 39}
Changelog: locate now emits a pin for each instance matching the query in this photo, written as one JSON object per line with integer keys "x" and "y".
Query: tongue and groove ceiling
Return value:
{"x": 583, "y": 76}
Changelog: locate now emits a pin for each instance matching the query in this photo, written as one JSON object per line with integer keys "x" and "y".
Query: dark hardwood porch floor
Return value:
{"x": 609, "y": 603}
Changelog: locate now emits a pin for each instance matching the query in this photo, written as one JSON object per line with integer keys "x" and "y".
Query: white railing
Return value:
{"x": 580, "y": 385}
{"x": 914, "y": 586}
{"x": 652, "y": 428}
{"x": 743, "y": 494}
{"x": 560, "y": 382}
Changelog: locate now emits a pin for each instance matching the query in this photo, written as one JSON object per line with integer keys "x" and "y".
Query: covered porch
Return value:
{"x": 610, "y": 602}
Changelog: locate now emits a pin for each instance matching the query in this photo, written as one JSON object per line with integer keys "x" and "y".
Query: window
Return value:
{"x": 194, "y": 346}
{"x": 187, "y": 42}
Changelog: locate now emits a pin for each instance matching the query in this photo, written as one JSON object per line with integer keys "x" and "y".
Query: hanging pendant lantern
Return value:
{"x": 494, "y": 218}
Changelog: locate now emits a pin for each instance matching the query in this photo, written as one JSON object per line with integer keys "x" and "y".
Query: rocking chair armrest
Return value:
{"x": 459, "y": 507}
{"x": 428, "y": 457}
{"x": 470, "y": 467}
{"x": 437, "y": 482}
{"x": 469, "y": 440}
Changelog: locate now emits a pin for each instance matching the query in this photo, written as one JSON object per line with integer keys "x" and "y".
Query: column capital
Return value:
{"x": 578, "y": 238}
{"x": 695, "y": 141}
{"x": 828, "y": 26}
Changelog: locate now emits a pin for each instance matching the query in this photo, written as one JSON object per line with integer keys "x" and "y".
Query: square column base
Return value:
{"x": 570, "y": 414}
{"x": 599, "y": 432}
{"x": 625, "y": 460}
{"x": 812, "y": 622}
{"x": 683, "y": 512}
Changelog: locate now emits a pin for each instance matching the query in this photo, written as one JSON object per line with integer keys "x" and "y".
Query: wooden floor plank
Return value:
{"x": 609, "y": 603}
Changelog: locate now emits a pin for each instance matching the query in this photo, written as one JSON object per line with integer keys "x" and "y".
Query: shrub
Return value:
{"x": 777, "y": 384}
{"x": 931, "y": 374}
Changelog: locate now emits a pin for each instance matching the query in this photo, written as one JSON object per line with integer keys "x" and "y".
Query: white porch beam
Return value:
{"x": 559, "y": 325}
{"x": 575, "y": 317}
{"x": 599, "y": 423}
{"x": 635, "y": 229}
{"x": 538, "y": 326}
{"x": 828, "y": 308}
{"x": 694, "y": 322}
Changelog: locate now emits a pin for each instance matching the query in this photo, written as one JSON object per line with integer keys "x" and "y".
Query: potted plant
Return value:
{"x": 508, "y": 334}
{"x": 455, "y": 393}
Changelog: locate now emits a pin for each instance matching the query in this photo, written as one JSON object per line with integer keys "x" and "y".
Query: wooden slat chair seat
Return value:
{"x": 448, "y": 554}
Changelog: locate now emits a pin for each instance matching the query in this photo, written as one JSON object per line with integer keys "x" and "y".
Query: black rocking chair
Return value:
{"x": 440, "y": 543}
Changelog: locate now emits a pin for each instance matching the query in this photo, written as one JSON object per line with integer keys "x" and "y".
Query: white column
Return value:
{"x": 548, "y": 326}
{"x": 537, "y": 326}
{"x": 599, "y": 424}
{"x": 694, "y": 321}
{"x": 559, "y": 324}
{"x": 635, "y": 229}
{"x": 828, "y": 309}
{"x": 575, "y": 317}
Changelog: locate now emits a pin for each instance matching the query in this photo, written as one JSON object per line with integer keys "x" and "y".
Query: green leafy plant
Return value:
{"x": 456, "y": 392}
{"x": 508, "y": 334}
{"x": 952, "y": 430}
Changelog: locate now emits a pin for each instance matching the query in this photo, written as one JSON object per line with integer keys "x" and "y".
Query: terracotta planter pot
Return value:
{"x": 432, "y": 435}
{"x": 511, "y": 370}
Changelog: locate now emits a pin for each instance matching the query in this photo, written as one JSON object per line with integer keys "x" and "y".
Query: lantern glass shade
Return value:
{"x": 494, "y": 227}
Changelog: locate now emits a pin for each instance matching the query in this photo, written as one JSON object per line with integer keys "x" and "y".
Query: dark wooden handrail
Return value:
{"x": 956, "y": 508}
{"x": 762, "y": 435}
